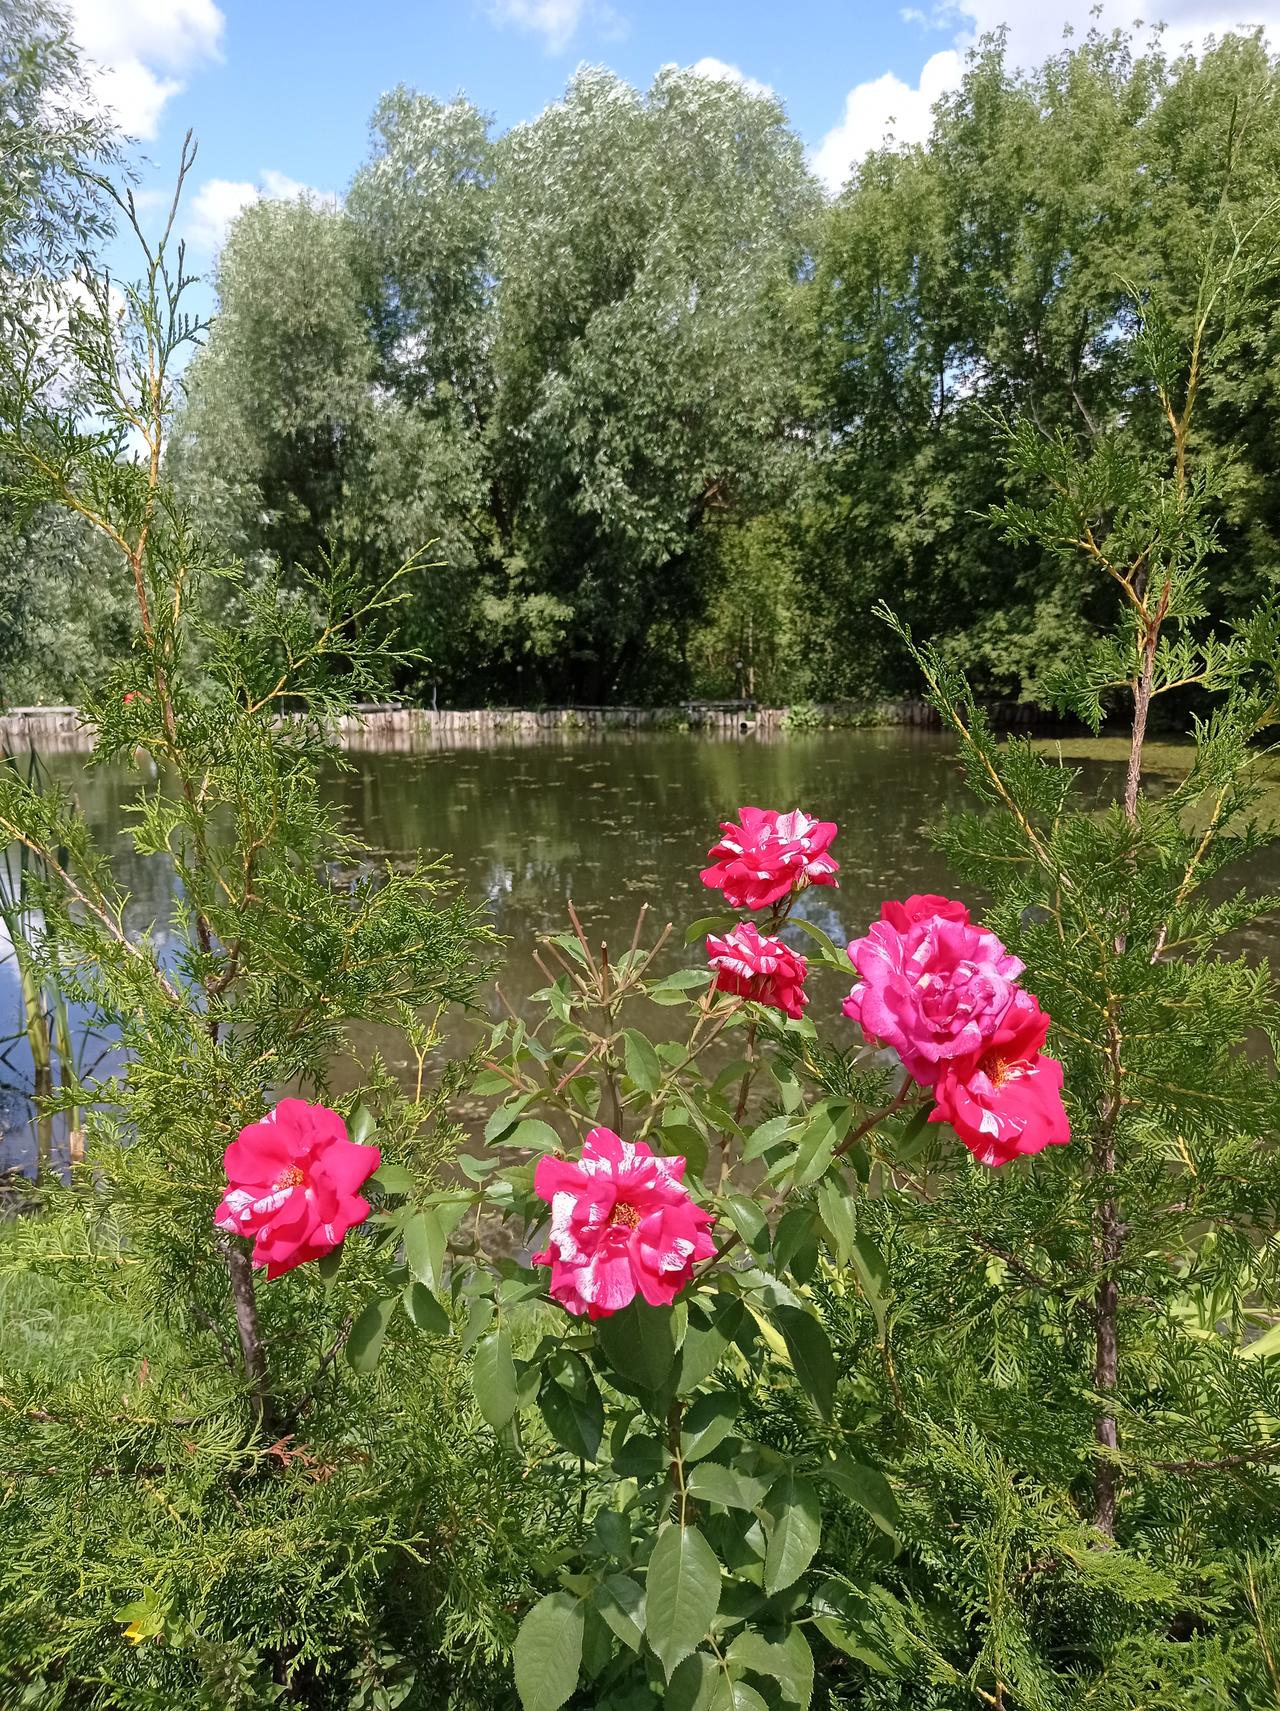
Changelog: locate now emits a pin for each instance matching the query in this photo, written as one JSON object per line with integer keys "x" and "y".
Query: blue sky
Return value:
{"x": 279, "y": 92}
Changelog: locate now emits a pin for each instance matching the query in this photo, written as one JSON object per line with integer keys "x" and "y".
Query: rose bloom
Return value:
{"x": 293, "y": 1181}
{"x": 622, "y": 1225}
{"x": 905, "y": 914}
{"x": 769, "y": 855}
{"x": 1007, "y": 1101}
{"x": 763, "y": 969}
{"x": 933, "y": 990}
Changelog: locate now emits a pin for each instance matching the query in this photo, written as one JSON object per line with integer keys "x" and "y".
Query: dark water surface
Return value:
{"x": 620, "y": 820}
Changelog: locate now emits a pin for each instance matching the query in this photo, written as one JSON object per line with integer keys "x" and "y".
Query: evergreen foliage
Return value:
{"x": 208, "y": 1499}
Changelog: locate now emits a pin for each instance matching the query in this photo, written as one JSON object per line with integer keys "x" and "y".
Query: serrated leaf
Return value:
{"x": 796, "y": 1534}
{"x": 865, "y": 1486}
{"x": 537, "y": 1136}
{"x": 682, "y": 1593}
{"x": 810, "y": 1350}
{"x": 676, "y": 988}
{"x": 749, "y": 1221}
{"x": 692, "y": 1684}
{"x": 836, "y": 1209}
{"x": 493, "y": 1378}
{"x": 708, "y": 924}
{"x": 832, "y": 956}
{"x": 788, "y": 1661}
{"x": 706, "y": 1424}
{"x": 489, "y": 1082}
{"x": 548, "y": 1652}
{"x": 620, "y": 1600}
{"x": 641, "y": 1061}
{"x": 768, "y": 1135}
{"x": 393, "y": 1178}
{"x": 505, "y": 1118}
{"x": 361, "y": 1125}
{"x": 873, "y": 1276}
{"x": 574, "y": 1417}
{"x": 364, "y": 1345}
{"x": 829, "y": 1123}
{"x": 640, "y": 1343}
{"x": 425, "y": 1311}
{"x": 711, "y": 1482}
{"x": 328, "y": 1265}
{"x": 424, "y": 1246}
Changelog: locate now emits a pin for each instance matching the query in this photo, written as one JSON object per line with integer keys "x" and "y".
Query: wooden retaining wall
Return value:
{"x": 410, "y": 729}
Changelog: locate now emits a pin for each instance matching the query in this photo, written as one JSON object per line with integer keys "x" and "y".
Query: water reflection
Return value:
{"x": 615, "y": 821}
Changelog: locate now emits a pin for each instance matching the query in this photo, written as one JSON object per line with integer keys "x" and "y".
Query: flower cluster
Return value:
{"x": 942, "y": 992}
{"x": 622, "y": 1225}
{"x": 293, "y": 1182}
{"x": 763, "y": 860}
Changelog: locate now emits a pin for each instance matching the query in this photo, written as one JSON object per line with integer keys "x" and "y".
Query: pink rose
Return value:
{"x": 763, "y": 969}
{"x": 1008, "y": 1100}
{"x": 622, "y": 1224}
{"x": 933, "y": 990}
{"x": 769, "y": 855}
{"x": 292, "y": 1185}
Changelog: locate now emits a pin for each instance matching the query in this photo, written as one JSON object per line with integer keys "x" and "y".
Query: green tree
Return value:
{"x": 644, "y": 385}
{"x": 992, "y": 270}
{"x": 58, "y": 627}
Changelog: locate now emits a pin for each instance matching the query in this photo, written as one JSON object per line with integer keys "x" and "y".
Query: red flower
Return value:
{"x": 763, "y": 969}
{"x": 292, "y": 1185}
{"x": 919, "y": 908}
{"x": 622, "y": 1225}
{"x": 769, "y": 855}
{"x": 1006, "y": 1100}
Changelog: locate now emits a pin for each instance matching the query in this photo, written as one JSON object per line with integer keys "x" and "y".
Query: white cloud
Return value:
{"x": 887, "y": 108}
{"x": 556, "y": 21}
{"x": 142, "y": 49}
{"x": 719, "y": 71}
{"x": 884, "y": 108}
{"x": 218, "y": 201}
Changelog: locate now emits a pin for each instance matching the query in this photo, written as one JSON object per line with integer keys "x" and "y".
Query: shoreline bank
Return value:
{"x": 409, "y": 728}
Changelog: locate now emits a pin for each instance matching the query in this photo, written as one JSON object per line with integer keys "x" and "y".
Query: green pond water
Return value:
{"x": 621, "y": 820}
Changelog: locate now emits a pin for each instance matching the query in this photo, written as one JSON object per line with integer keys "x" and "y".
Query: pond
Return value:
{"x": 616, "y": 821}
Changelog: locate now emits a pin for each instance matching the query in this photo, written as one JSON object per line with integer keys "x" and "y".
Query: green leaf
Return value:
{"x": 831, "y": 956}
{"x": 641, "y": 1061}
{"x": 640, "y": 1343}
{"x": 704, "y": 1344}
{"x": 796, "y": 1534}
{"x": 489, "y": 1082}
{"x": 789, "y": 1661}
{"x": 641, "y": 1457}
{"x": 328, "y": 1265}
{"x": 836, "y": 1207}
{"x": 533, "y": 1133}
{"x": 692, "y": 1684}
{"x": 505, "y": 1118}
{"x": 710, "y": 1482}
{"x": 425, "y": 1311}
{"x": 393, "y": 1178}
{"x": 708, "y": 924}
{"x": 620, "y": 1600}
{"x": 865, "y": 1486}
{"x": 676, "y": 988}
{"x": 424, "y": 1245}
{"x": 364, "y": 1345}
{"x": 682, "y": 1593}
{"x": 707, "y": 1424}
{"x": 829, "y": 1123}
{"x": 575, "y": 1420}
{"x": 769, "y": 1135}
{"x": 548, "y": 1652}
{"x": 493, "y": 1378}
{"x": 873, "y": 1276}
{"x": 749, "y": 1221}
{"x": 361, "y": 1125}
{"x": 810, "y": 1350}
